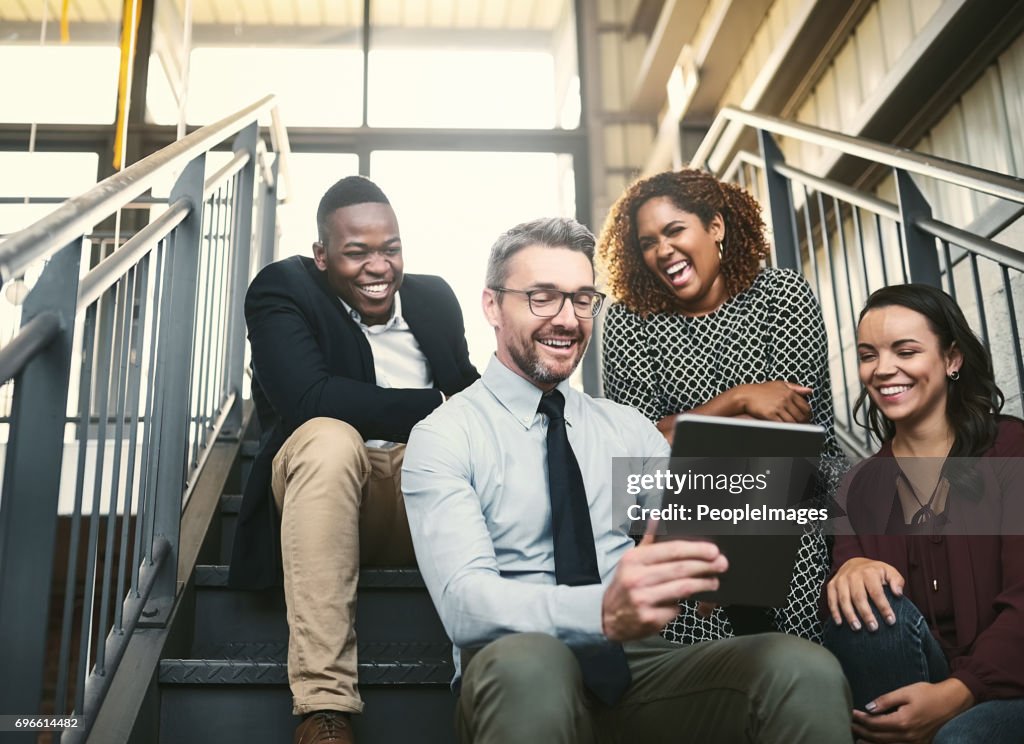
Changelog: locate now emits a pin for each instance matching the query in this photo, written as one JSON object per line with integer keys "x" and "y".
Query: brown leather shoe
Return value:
{"x": 325, "y": 727}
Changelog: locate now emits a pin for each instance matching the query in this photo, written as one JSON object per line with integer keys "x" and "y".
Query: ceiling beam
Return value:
{"x": 676, "y": 25}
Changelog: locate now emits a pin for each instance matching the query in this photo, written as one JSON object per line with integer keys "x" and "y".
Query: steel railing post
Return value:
{"x": 175, "y": 361}
{"x": 31, "y": 488}
{"x": 922, "y": 256}
{"x": 785, "y": 248}
{"x": 268, "y": 230}
{"x": 238, "y": 281}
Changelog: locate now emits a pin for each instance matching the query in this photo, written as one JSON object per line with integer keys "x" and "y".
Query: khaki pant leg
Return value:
{"x": 319, "y": 476}
{"x": 383, "y": 525}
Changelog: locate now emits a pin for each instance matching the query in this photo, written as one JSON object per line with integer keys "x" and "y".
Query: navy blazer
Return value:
{"x": 310, "y": 359}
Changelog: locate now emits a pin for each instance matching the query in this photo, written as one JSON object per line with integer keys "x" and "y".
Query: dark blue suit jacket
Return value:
{"x": 310, "y": 359}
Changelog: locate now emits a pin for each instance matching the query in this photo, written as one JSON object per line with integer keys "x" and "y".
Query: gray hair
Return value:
{"x": 551, "y": 232}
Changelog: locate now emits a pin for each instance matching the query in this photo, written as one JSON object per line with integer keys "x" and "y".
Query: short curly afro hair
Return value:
{"x": 699, "y": 193}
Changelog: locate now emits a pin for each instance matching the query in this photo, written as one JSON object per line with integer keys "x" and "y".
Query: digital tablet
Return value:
{"x": 762, "y": 537}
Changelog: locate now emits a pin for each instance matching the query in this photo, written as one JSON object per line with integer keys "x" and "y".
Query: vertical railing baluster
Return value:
{"x": 246, "y": 140}
{"x": 82, "y": 437}
{"x": 132, "y": 405}
{"x": 811, "y": 251}
{"x": 223, "y": 303}
{"x": 858, "y": 235}
{"x": 786, "y": 253}
{"x": 268, "y": 219}
{"x": 881, "y": 249}
{"x": 147, "y": 479}
{"x": 843, "y": 354}
{"x": 922, "y": 258}
{"x": 118, "y": 383}
{"x": 1014, "y": 333}
{"x": 201, "y": 341}
{"x": 31, "y": 487}
{"x": 979, "y": 298}
{"x": 104, "y": 330}
{"x": 948, "y": 258}
{"x": 176, "y": 332}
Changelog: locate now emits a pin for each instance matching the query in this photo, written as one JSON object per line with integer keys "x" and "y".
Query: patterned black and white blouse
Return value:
{"x": 670, "y": 363}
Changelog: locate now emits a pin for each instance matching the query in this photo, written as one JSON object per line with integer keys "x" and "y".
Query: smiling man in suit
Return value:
{"x": 348, "y": 354}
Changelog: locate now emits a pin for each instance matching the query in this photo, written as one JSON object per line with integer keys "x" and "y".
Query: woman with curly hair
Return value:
{"x": 927, "y": 596}
{"x": 699, "y": 326}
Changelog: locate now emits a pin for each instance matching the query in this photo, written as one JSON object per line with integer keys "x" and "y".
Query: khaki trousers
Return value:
{"x": 341, "y": 507}
{"x": 770, "y": 688}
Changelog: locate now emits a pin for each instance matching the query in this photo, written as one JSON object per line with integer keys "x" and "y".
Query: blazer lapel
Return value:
{"x": 415, "y": 313}
{"x": 347, "y": 324}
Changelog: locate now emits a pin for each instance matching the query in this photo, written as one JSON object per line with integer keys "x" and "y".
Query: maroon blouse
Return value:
{"x": 980, "y": 577}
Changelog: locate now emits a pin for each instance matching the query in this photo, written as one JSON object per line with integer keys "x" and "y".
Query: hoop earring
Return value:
{"x": 954, "y": 375}
{"x": 721, "y": 249}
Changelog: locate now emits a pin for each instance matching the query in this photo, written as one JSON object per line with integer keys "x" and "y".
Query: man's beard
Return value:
{"x": 528, "y": 360}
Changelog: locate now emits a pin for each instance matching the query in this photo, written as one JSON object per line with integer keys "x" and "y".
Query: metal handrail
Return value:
{"x": 34, "y": 337}
{"x": 998, "y": 252}
{"x": 107, "y": 271}
{"x": 932, "y": 166}
{"x": 78, "y": 215}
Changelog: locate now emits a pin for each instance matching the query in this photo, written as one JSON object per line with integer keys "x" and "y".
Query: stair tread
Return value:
{"x": 369, "y": 578}
{"x": 402, "y": 663}
{"x": 370, "y": 651}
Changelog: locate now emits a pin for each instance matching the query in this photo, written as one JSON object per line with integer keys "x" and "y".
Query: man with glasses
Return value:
{"x": 553, "y": 611}
{"x": 348, "y": 353}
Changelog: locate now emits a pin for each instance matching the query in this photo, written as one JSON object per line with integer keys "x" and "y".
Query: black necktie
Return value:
{"x": 604, "y": 668}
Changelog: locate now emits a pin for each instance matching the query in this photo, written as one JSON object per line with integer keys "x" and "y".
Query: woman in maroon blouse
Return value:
{"x": 927, "y": 595}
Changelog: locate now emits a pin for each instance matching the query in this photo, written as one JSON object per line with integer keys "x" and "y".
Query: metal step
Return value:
{"x": 393, "y": 606}
{"x": 262, "y": 714}
{"x": 230, "y": 505}
{"x": 254, "y": 663}
{"x": 238, "y": 693}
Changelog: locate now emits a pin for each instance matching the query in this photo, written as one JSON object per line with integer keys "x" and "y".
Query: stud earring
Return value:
{"x": 954, "y": 375}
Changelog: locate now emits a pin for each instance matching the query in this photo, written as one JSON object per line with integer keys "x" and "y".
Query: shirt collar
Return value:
{"x": 519, "y": 396}
{"x": 394, "y": 321}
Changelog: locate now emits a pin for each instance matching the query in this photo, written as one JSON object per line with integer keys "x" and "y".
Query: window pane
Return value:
{"x": 452, "y": 206}
{"x": 483, "y": 65}
{"x": 58, "y": 84}
{"x": 57, "y": 174}
{"x": 472, "y": 89}
{"x": 314, "y": 86}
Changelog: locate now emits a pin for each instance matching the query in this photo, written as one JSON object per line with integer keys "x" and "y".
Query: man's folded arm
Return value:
{"x": 293, "y": 373}
{"x": 457, "y": 558}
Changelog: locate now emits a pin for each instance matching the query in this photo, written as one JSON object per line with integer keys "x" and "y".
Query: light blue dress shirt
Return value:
{"x": 476, "y": 491}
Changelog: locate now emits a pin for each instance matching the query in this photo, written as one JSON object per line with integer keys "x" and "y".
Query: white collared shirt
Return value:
{"x": 476, "y": 492}
{"x": 398, "y": 360}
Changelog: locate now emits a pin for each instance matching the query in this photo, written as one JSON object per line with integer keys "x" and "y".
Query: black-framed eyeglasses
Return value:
{"x": 547, "y": 303}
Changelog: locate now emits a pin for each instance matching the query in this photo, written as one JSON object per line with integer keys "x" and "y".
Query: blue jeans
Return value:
{"x": 904, "y": 653}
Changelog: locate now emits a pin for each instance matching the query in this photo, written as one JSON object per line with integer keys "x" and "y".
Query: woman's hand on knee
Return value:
{"x": 858, "y": 583}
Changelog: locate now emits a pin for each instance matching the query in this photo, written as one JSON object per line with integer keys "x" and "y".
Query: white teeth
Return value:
{"x": 558, "y": 343}
{"x": 676, "y": 268}
{"x": 893, "y": 389}
{"x": 375, "y": 288}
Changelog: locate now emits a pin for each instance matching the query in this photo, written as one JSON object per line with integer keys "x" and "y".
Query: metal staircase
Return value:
{"x": 231, "y": 682}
